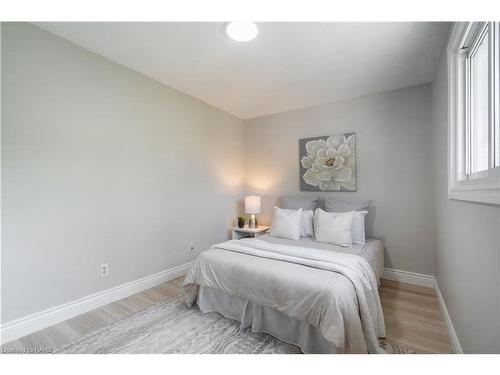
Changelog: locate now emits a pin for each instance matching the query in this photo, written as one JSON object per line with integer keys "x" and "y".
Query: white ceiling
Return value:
{"x": 288, "y": 65}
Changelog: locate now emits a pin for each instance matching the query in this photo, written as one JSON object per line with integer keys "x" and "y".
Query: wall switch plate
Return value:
{"x": 104, "y": 269}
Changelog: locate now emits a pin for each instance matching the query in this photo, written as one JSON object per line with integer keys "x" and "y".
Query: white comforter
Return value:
{"x": 336, "y": 293}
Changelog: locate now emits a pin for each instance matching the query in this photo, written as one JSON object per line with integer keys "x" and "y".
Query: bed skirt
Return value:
{"x": 265, "y": 320}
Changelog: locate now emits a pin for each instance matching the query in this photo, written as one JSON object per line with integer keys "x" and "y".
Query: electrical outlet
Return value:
{"x": 191, "y": 248}
{"x": 104, "y": 270}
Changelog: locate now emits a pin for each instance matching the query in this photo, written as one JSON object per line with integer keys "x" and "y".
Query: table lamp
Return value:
{"x": 252, "y": 207}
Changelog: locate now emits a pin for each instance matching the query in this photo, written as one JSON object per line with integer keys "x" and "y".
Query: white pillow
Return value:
{"x": 286, "y": 223}
{"x": 306, "y": 223}
{"x": 358, "y": 227}
{"x": 333, "y": 227}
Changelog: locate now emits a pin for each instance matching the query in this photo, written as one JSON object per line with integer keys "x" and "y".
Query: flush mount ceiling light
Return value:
{"x": 241, "y": 31}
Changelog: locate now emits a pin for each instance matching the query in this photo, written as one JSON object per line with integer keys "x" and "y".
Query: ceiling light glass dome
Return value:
{"x": 242, "y": 31}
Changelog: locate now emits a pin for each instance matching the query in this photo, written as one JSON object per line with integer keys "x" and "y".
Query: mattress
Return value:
{"x": 372, "y": 251}
{"x": 307, "y": 290}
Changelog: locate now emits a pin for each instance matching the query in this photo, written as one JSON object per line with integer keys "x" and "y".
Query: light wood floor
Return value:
{"x": 412, "y": 317}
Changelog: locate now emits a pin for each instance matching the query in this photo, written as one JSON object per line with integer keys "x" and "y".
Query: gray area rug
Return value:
{"x": 172, "y": 327}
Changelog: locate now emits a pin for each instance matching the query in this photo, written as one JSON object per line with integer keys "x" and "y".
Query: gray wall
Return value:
{"x": 103, "y": 165}
{"x": 467, "y": 246}
{"x": 394, "y": 162}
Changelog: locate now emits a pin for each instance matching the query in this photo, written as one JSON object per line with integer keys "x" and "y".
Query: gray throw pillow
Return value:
{"x": 333, "y": 205}
{"x": 294, "y": 203}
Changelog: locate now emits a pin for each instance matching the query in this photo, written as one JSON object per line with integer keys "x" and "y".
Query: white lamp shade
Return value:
{"x": 252, "y": 205}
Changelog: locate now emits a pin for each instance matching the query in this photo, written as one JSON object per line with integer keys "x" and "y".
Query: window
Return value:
{"x": 474, "y": 112}
{"x": 477, "y": 107}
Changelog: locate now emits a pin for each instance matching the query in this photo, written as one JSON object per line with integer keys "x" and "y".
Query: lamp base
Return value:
{"x": 253, "y": 222}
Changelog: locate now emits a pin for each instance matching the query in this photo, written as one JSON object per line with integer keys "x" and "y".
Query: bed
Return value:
{"x": 320, "y": 297}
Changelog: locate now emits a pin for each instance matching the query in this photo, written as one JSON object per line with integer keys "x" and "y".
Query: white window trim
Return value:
{"x": 484, "y": 190}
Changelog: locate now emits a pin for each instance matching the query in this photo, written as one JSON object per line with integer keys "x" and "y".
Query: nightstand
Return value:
{"x": 245, "y": 232}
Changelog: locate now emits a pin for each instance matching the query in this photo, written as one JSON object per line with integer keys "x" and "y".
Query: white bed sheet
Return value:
{"x": 372, "y": 251}
{"x": 287, "y": 293}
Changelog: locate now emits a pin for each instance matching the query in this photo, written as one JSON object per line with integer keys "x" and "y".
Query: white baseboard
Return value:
{"x": 31, "y": 323}
{"x": 409, "y": 277}
{"x": 455, "y": 343}
{"x": 430, "y": 282}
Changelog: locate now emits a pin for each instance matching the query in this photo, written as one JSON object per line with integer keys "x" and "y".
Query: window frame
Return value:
{"x": 483, "y": 186}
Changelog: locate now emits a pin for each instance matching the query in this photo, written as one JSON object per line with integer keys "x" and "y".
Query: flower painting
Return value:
{"x": 328, "y": 163}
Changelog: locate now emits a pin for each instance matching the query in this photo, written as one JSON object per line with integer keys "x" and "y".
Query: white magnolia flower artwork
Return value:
{"x": 328, "y": 163}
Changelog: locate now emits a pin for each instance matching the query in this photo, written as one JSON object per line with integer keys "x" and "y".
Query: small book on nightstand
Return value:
{"x": 246, "y": 232}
